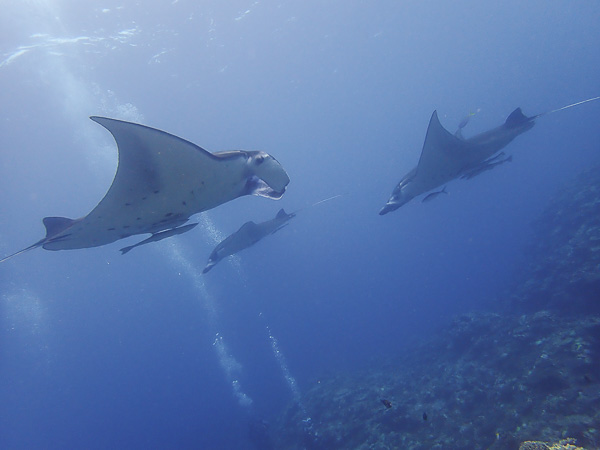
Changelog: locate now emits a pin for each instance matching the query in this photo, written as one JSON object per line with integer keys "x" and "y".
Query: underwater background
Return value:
{"x": 478, "y": 310}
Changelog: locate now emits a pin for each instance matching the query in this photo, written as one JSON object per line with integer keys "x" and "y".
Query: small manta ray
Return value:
{"x": 161, "y": 181}
{"x": 248, "y": 235}
{"x": 445, "y": 156}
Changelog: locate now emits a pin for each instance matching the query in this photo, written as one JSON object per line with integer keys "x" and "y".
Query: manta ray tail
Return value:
{"x": 31, "y": 247}
{"x": 54, "y": 225}
{"x": 593, "y": 99}
{"x": 126, "y": 249}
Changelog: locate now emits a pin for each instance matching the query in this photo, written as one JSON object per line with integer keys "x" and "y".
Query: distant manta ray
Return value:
{"x": 445, "y": 156}
{"x": 248, "y": 235}
{"x": 161, "y": 181}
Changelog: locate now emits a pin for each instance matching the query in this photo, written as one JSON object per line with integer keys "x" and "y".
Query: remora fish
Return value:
{"x": 160, "y": 236}
{"x": 433, "y": 195}
{"x": 484, "y": 167}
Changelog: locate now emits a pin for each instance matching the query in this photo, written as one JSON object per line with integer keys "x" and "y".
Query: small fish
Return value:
{"x": 386, "y": 403}
{"x": 424, "y": 416}
{"x": 433, "y": 195}
{"x": 493, "y": 158}
{"x": 463, "y": 123}
{"x": 485, "y": 167}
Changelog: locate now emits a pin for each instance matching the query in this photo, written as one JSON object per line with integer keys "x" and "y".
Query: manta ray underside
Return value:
{"x": 446, "y": 156}
{"x": 161, "y": 181}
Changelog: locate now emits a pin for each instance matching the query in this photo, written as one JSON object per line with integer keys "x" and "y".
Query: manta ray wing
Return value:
{"x": 161, "y": 181}
{"x": 443, "y": 155}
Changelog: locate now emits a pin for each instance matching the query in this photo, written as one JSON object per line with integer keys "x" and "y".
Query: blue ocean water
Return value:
{"x": 99, "y": 350}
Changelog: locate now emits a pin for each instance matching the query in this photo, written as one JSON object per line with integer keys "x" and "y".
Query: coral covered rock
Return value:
{"x": 564, "y": 268}
{"x": 527, "y": 377}
{"x": 563, "y": 444}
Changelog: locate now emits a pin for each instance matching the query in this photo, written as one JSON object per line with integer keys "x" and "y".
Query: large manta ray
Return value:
{"x": 248, "y": 234}
{"x": 446, "y": 156}
{"x": 161, "y": 181}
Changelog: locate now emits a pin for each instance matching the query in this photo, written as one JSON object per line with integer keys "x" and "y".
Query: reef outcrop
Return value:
{"x": 564, "y": 256}
{"x": 527, "y": 378}
{"x": 532, "y": 377}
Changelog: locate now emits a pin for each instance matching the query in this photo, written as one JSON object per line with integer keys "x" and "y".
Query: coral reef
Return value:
{"x": 528, "y": 377}
{"x": 520, "y": 379}
{"x": 564, "y": 268}
{"x": 563, "y": 444}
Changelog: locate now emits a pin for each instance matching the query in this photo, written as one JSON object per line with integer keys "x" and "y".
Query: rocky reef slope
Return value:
{"x": 489, "y": 380}
{"x": 564, "y": 269}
